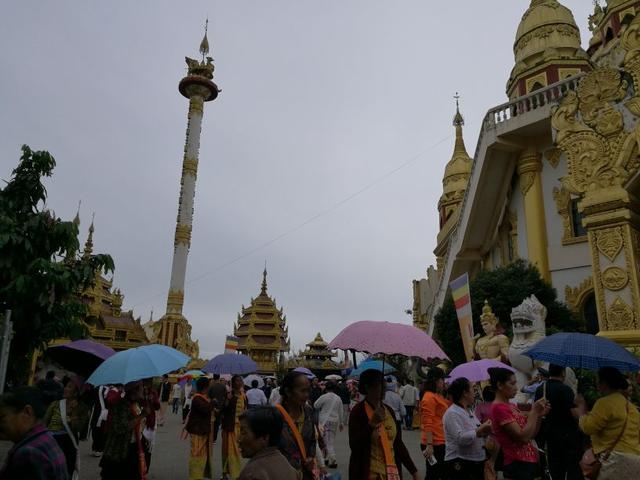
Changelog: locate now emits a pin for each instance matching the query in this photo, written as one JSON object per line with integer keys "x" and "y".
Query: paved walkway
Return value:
{"x": 169, "y": 458}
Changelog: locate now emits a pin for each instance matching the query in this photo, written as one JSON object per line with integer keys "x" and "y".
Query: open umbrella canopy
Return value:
{"x": 476, "y": 371}
{"x": 80, "y": 356}
{"x": 248, "y": 380}
{"x": 333, "y": 377}
{"x": 147, "y": 361}
{"x": 230, "y": 363}
{"x": 387, "y": 338}
{"x": 371, "y": 365}
{"x": 306, "y": 371}
{"x": 583, "y": 350}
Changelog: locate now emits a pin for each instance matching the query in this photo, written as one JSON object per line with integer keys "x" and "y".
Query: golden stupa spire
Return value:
{"x": 264, "y": 280}
{"x": 458, "y": 122}
{"x": 76, "y": 219}
{"x": 88, "y": 245}
{"x": 204, "y": 45}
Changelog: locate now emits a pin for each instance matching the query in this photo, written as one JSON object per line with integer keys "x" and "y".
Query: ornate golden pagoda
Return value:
{"x": 262, "y": 331}
{"x": 107, "y": 323}
{"x": 317, "y": 358}
{"x": 454, "y": 184}
{"x": 547, "y": 48}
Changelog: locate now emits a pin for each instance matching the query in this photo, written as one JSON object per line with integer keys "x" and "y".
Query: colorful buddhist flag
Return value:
{"x": 462, "y": 301}
{"x": 231, "y": 344}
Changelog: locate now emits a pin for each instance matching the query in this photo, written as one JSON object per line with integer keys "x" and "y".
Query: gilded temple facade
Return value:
{"x": 555, "y": 175}
{"x": 316, "y": 357}
{"x": 262, "y": 331}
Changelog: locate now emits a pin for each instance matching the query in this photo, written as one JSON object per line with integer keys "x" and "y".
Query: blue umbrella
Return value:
{"x": 231, "y": 363}
{"x": 147, "y": 361}
{"x": 582, "y": 350}
{"x": 371, "y": 365}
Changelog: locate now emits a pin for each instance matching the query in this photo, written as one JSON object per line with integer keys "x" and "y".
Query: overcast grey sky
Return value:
{"x": 320, "y": 99}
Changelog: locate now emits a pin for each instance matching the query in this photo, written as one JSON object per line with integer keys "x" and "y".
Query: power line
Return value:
{"x": 309, "y": 220}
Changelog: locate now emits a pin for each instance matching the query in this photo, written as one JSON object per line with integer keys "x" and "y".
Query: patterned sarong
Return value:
{"x": 201, "y": 457}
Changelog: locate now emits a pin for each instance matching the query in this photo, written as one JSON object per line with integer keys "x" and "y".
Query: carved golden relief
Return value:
{"x": 590, "y": 131}
{"x": 575, "y": 297}
{"x": 183, "y": 235}
{"x": 190, "y": 165}
{"x": 620, "y": 316}
{"x": 553, "y": 156}
{"x": 614, "y": 278}
{"x": 609, "y": 242}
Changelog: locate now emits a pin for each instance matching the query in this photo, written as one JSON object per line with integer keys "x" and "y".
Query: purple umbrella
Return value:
{"x": 306, "y": 371}
{"x": 388, "y": 338}
{"x": 80, "y": 356}
{"x": 231, "y": 363}
{"x": 476, "y": 371}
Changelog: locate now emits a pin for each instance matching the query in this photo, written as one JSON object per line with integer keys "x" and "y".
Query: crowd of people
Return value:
{"x": 468, "y": 431}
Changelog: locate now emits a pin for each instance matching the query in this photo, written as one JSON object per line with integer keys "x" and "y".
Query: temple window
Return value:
{"x": 120, "y": 336}
{"x": 576, "y": 220}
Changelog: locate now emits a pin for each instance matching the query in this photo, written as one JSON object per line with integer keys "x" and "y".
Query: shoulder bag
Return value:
{"x": 590, "y": 464}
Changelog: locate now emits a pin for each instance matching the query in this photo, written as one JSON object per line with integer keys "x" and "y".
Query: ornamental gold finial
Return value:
{"x": 264, "y": 279}
{"x": 88, "y": 246}
{"x": 204, "y": 45}
{"x": 76, "y": 219}
{"x": 458, "y": 119}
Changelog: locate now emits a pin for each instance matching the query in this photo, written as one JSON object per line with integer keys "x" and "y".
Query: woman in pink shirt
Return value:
{"x": 512, "y": 429}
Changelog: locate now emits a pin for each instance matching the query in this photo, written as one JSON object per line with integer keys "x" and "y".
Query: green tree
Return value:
{"x": 41, "y": 272}
{"x": 504, "y": 288}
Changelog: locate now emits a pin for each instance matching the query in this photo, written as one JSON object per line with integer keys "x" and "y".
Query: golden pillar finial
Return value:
{"x": 204, "y": 45}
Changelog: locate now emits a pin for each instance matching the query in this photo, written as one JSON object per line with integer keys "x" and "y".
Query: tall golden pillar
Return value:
{"x": 612, "y": 223}
{"x": 529, "y": 171}
{"x": 596, "y": 127}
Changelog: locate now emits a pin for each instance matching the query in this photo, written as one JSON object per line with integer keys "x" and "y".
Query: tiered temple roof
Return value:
{"x": 317, "y": 358}
{"x": 107, "y": 323}
{"x": 262, "y": 331}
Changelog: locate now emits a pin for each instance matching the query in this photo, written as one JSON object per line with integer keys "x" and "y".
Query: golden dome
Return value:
{"x": 547, "y": 32}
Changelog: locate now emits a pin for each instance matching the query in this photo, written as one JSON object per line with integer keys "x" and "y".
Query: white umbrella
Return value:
{"x": 333, "y": 377}
{"x": 248, "y": 380}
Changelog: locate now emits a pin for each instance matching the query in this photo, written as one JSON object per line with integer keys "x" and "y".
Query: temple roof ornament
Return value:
{"x": 88, "y": 245}
{"x": 457, "y": 171}
{"x": 547, "y": 36}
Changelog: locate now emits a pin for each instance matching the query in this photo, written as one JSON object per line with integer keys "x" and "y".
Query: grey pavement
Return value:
{"x": 170, "y": 454}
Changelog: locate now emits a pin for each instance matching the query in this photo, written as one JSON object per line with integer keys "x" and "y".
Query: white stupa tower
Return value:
{"x": 173, "y": 329}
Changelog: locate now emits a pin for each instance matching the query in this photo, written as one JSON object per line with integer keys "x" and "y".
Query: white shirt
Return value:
{"x": 393, "y": 400}
{"x": 330, "y": 409}
{"x": 274, "y": 398}
{"x": 460, "y": 435}
{"x": 187, "y": 394}
{"x": 409, "y": 395}
{"x": 255, "y": 396}
{"x": 176, "y": 391}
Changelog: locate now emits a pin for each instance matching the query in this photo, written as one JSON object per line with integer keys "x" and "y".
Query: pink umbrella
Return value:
{"x": 476, "y": 371}
{"x": 389, "y": 339}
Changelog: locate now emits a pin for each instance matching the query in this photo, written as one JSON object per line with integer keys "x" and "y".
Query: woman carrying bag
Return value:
{"x": 614, "y": 427}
